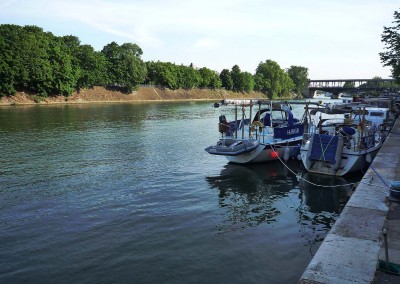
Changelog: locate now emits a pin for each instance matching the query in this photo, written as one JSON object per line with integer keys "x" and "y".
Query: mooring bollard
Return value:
{"x": 384, "y": 233}
{"x": 395, "y": 191}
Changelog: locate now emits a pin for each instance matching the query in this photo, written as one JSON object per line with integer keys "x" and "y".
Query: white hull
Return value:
{"x": 265, "y": 153}
{"x": 350, "y": 161}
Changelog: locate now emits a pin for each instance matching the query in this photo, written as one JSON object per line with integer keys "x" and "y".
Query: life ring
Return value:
{"x": 255, "y": 124}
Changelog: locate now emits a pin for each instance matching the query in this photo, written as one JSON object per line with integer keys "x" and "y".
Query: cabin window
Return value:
{"x": 375, "y": 113}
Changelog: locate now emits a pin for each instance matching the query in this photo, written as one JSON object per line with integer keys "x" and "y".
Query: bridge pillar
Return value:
{"x": 308, "y": 93}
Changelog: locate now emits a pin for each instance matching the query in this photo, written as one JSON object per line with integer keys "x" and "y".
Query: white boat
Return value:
{"x": 377, "y": 112}
{"x": 339, "y": 146}
{"x": 271, "y": 133}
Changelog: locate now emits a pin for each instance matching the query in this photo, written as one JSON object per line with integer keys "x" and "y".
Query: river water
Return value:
{"x": 125, "y": 193}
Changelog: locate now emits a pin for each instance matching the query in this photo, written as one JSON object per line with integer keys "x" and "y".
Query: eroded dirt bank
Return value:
{"x": 101, "y": 94}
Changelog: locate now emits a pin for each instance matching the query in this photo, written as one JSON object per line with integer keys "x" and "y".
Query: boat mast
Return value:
{"x": 242, "y": 121}
{"x": 271, "y": 118}
{"x": 259, "y": 113}
{"x": 236, "y": 121}
{"x": 251, "y": 108}
{"x": 306, "y": 125}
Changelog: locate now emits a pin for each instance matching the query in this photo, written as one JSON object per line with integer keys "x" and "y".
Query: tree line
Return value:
{"x": 39, "y": 62}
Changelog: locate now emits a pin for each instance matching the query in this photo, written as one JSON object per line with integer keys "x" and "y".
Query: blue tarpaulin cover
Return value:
{"x": 324, "y": 148}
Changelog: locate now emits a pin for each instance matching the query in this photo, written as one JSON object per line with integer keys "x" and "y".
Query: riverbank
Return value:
{"x": 354, "y": 245}
{"x": 103, "y": 95}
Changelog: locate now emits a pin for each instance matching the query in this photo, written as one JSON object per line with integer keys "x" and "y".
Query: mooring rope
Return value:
{"x": 379, "y": 175}
{"x": 299, "y": 177}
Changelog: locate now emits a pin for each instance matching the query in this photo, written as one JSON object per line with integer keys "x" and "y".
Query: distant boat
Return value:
{"x": 271, "y": 133}
{"x": 335, "y": 96}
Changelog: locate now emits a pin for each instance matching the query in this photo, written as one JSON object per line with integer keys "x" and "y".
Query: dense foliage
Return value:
{"x": 124, "y": 67}
{"x": 38, "y": 62}
{"x": 236, "y": 80}
{"x": 391, "y": 39}
{"x": 299, "y": 76}
{"x": 172, "y": 76}
{"x": 271, "y": 80}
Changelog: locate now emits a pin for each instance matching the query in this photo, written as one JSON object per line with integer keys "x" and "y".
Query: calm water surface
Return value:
{"x": 125, "y": 193}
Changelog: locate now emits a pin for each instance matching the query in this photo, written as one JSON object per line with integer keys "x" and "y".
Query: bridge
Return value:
{"x": 335, "y": 87}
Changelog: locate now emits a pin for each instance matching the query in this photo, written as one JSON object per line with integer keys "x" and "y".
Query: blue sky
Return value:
{"x": 334, "y": 39}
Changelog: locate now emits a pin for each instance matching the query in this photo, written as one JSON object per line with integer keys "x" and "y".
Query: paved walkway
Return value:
{"x": 350, "y": 252}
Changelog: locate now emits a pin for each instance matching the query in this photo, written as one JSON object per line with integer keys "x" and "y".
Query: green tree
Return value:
{"x": 72, "y": 44}
{"x": 248, "y": 82}
{"x": 215, "y": 82}
{"x": 187, "y": 77}
{"x": 88, "y": 64}
{"x": 36, "y": 75}
{"x": 10, "y": 64}
{"x": 172, "y": 76}
{"x": 92, "y": 65}
{"x": 391, "y": 39}
{"x": 209, "y": 78}
{"x": 125, "y": 68}
{"x": 237, "y": 79}
{"x": 35, "y": 61}
{"x": 299, "y": 76}
{"x": 165, "y": 75}
{"x": 151, "y": 75}
{"x": 241, "y": 81}
{"x": 226, "y": 79}
{"x": 271, "y": 80}
{"x": 64, "y": 72}
{"x": 7, "y": 78}
{"x": 206, "y": 77}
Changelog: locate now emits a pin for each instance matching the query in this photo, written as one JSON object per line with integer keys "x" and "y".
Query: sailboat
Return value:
{"x": 271, "y": 133}
{"x": 340, "y": 145}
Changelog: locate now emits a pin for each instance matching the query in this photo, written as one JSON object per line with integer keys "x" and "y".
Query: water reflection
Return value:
{"x": 251, "y": 193}
{"x": 263, "y": 193}
{"x": 327, "y": 193}
{"x": 80, "y": 117}
{"x": 325, "y": 197}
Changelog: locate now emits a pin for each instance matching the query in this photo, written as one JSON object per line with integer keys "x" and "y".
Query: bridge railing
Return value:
{"x": 353, "y": 83}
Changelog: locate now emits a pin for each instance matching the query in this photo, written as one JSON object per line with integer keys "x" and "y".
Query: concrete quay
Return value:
{"x": 354, "y": 245}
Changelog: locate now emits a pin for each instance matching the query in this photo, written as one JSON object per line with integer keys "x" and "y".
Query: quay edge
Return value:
{"x": 352, "y": 248}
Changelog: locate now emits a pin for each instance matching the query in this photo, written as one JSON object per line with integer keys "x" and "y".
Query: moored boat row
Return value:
{"x": 331, "y": 140}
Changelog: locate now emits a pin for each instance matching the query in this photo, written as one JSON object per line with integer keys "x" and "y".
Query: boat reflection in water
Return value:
{"x": 273, "y": 197}
{"x": 251, "y": 191}
{"x": 327, "y": 193}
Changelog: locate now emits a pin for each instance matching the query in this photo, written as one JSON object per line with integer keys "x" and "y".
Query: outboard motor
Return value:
{"x": 223, "y": 124}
